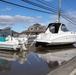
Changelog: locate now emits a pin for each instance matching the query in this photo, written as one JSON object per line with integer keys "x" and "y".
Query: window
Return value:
{"x": 31, "y": 28}
{"x": 52, "y": 29}
{"x": 63, "y": 28}
{"x": 36, "y": 28}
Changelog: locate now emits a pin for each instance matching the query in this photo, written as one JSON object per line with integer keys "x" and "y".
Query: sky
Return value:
{"x": 21, "y": 18}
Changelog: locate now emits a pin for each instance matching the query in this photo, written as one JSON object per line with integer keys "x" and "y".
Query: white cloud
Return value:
{"x": 6, "y": 9}
{"x": 12, "y": 20}
{"x": 39, "y": 17}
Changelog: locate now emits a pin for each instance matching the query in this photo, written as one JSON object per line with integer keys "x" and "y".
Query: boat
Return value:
{"x": 56, "y": 34}
{"x": 8, "y": 42}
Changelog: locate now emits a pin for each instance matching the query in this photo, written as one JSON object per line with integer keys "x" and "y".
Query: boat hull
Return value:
{"x": 9, "y": 46}
{"x": 57, "y": 40}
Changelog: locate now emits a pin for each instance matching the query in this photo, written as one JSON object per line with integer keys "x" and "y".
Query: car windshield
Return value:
{"x": 63, "y": 28}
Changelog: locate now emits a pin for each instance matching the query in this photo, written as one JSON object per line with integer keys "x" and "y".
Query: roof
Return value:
{"x": 38, "y": 31}
{"x": 36, "y": 28}
{"x": 55, "y": 24}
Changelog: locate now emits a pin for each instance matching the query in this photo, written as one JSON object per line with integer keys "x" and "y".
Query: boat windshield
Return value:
{"x": 63, "y": 28}
{"x": 52, "y": 29}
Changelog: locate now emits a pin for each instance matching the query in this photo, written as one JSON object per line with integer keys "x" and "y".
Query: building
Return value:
{"x": 35, "y": 29}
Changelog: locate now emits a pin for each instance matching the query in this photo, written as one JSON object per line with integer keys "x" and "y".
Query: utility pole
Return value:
{"x": 59, "y": 10}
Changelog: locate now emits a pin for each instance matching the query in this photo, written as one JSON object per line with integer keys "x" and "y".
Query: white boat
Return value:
{"x": 56, "y": 34}
{"x": 7, "y": 41}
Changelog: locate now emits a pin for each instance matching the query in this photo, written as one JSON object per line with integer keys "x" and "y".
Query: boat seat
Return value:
{"x": 2, "y": 39}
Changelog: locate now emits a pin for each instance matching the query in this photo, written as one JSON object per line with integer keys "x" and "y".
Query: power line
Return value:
{"x": 40, "y": 6}
{"x": 67, "y": 17}
{"x": 47, "y": 4}
{"x": 70, "y": 19}
{"x": 27, "y": 7}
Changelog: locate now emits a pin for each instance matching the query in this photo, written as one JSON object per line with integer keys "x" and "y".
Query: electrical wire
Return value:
{"x": 27, "y": 7}
{"x": 47, "y": 4}
{"x": 70, "y": 20}
{"x": 40, "y": 6}
{"x": 65, "y": 16}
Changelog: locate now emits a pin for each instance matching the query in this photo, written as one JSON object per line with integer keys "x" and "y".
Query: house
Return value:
{"x": 35, "y": 29}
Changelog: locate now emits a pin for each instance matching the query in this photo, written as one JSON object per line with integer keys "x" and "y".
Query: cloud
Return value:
{"x": 39, "y": 17}
{"x": 6, "y": 9}
{"x": 12, "y": 20}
